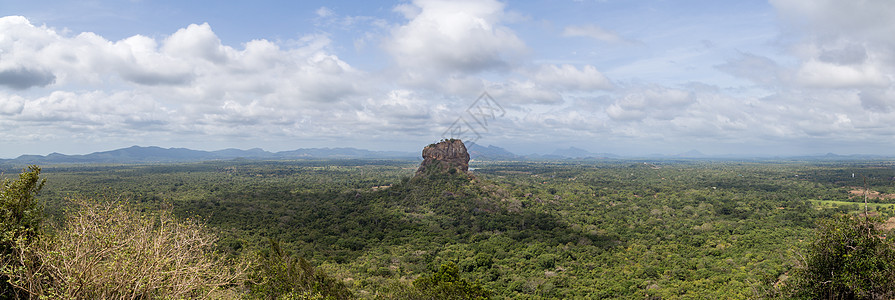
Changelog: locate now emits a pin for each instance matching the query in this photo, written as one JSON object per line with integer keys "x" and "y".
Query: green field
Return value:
{"x": 855, "y": 206}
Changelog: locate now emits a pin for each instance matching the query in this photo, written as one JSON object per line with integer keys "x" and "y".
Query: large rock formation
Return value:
{"x": 444, "y": 156}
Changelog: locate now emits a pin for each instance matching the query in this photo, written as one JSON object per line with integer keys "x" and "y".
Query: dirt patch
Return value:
{"x": 889, "y": 224}
{"x": 381, "y": 187}
{"x": 870, "y": 194}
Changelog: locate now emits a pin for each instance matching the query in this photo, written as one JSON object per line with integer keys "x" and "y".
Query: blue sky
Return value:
{"x": 783, "y": 77}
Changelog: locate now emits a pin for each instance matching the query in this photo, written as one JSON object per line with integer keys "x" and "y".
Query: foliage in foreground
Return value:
{"x": 107, "y": 251}
{"x": 445, "y": 283}
{"x": 281, "y": 276}
{"x": 20, "y": 218}
{"x": 849, "y": 258}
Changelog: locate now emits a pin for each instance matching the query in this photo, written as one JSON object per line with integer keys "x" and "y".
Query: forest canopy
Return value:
{"x": 365, "y": 229}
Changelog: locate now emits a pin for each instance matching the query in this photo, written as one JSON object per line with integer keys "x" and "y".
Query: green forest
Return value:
{"x": 370, "y": 229}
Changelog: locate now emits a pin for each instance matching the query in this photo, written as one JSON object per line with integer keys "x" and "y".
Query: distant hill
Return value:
{"x": 237, "y": 153}
{"x": 125, "y": 155}
{"x": 478, "y": 152}
{"x": 153, "y": 154}
{"x": 341, "y": 153}
{"x": 576, "y": 153}
{"x": 572, "y": 152}
{"x": 691, "y": 154}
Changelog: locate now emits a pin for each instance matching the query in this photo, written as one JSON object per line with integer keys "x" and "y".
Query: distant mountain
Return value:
{"x": 153, "y": 154}
{"x": 341, "y": 153}
{"x": 237, "y": 153}
{"x": 577, "y": 153}
{"x": 124, "y": 155}
{"x": 691, "y": 154}
{"x": 572, "y": 152}
{"x": 478, "y": 152}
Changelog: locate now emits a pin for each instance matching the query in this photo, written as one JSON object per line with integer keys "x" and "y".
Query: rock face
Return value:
{"x": 444, "y": 156}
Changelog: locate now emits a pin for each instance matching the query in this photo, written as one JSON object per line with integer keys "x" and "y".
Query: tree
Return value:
{"x": 848, "y": 259}
{"x": 445, "y": 283}
{"x": 20, "y": 214}
{"x": 20, "y": 217}
{"x": 278, "y": 275}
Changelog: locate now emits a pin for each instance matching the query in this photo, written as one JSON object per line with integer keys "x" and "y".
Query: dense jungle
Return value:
{"x": 333, "y": 229}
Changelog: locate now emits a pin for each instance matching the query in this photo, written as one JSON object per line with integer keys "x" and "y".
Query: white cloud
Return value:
{"x": 188, "y": 81}
{"x": 454, "y": 36}
{"x": 324, "y": 12}
{"x": 516, "y": 93}
{"x": 569, "y": 77}
{"x": 820, "y": 74}
{"x": 869, "y": 20}
{"x": 838, "y": 82}
{"x": 653, "y": 102}
{"x": 196, "y": 41}
{"x": 93, "y": 113}
{"x": 842, "y": 44}
{"x": 11, "y": 104}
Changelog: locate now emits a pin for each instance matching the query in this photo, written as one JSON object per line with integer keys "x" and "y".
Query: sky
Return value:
{"x": 754, "y": 78}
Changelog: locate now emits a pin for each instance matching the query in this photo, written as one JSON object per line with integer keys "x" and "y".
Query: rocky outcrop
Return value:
{"x": 444, "y": 156}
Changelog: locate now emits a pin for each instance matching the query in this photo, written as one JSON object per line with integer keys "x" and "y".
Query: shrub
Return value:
{"x": 278, "y": 275}
{"x": 848, "y": 259}
{"x": 107, "y": 251}
{"x": 20, "y": 218}
{"x": 445, "y": 283}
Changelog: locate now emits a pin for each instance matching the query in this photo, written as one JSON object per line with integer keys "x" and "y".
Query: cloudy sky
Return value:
{"x": 782, "y": 77}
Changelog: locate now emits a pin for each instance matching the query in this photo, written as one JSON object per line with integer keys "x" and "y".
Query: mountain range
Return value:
{"x": 153, "y": 154}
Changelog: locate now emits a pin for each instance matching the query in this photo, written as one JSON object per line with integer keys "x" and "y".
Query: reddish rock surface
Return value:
{"x": 445, "y": 155}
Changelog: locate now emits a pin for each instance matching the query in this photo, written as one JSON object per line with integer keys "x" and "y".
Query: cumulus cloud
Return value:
{"x": 832, "y": 79}
{"x": 196, "y": 41}
{"x": 706, "y": 114}
{"x": 569, "y": 77}
{"x": 22, "y": 78}
{"x": 454, "y": 36}
{"x": 837, "y": 83}
{"x": 11, "y": 104}
{"x": 815, "y": 73}
{"x": 865, "y": 20}
{"x": 189, "y": 84}
{"x": 514, "y": 93}
{"x": 655, "y": 102}
{"x": 107, "y": 113}
{"x": 837, "y": 114}
{"x": 569, "y": 123}
{"x": 137, "y": 59}
{"x": 186, "y": 82}
{"x": 842, "y": 44}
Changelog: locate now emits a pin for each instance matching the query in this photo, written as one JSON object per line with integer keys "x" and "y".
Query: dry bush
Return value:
{"x": 107, "y": 251}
